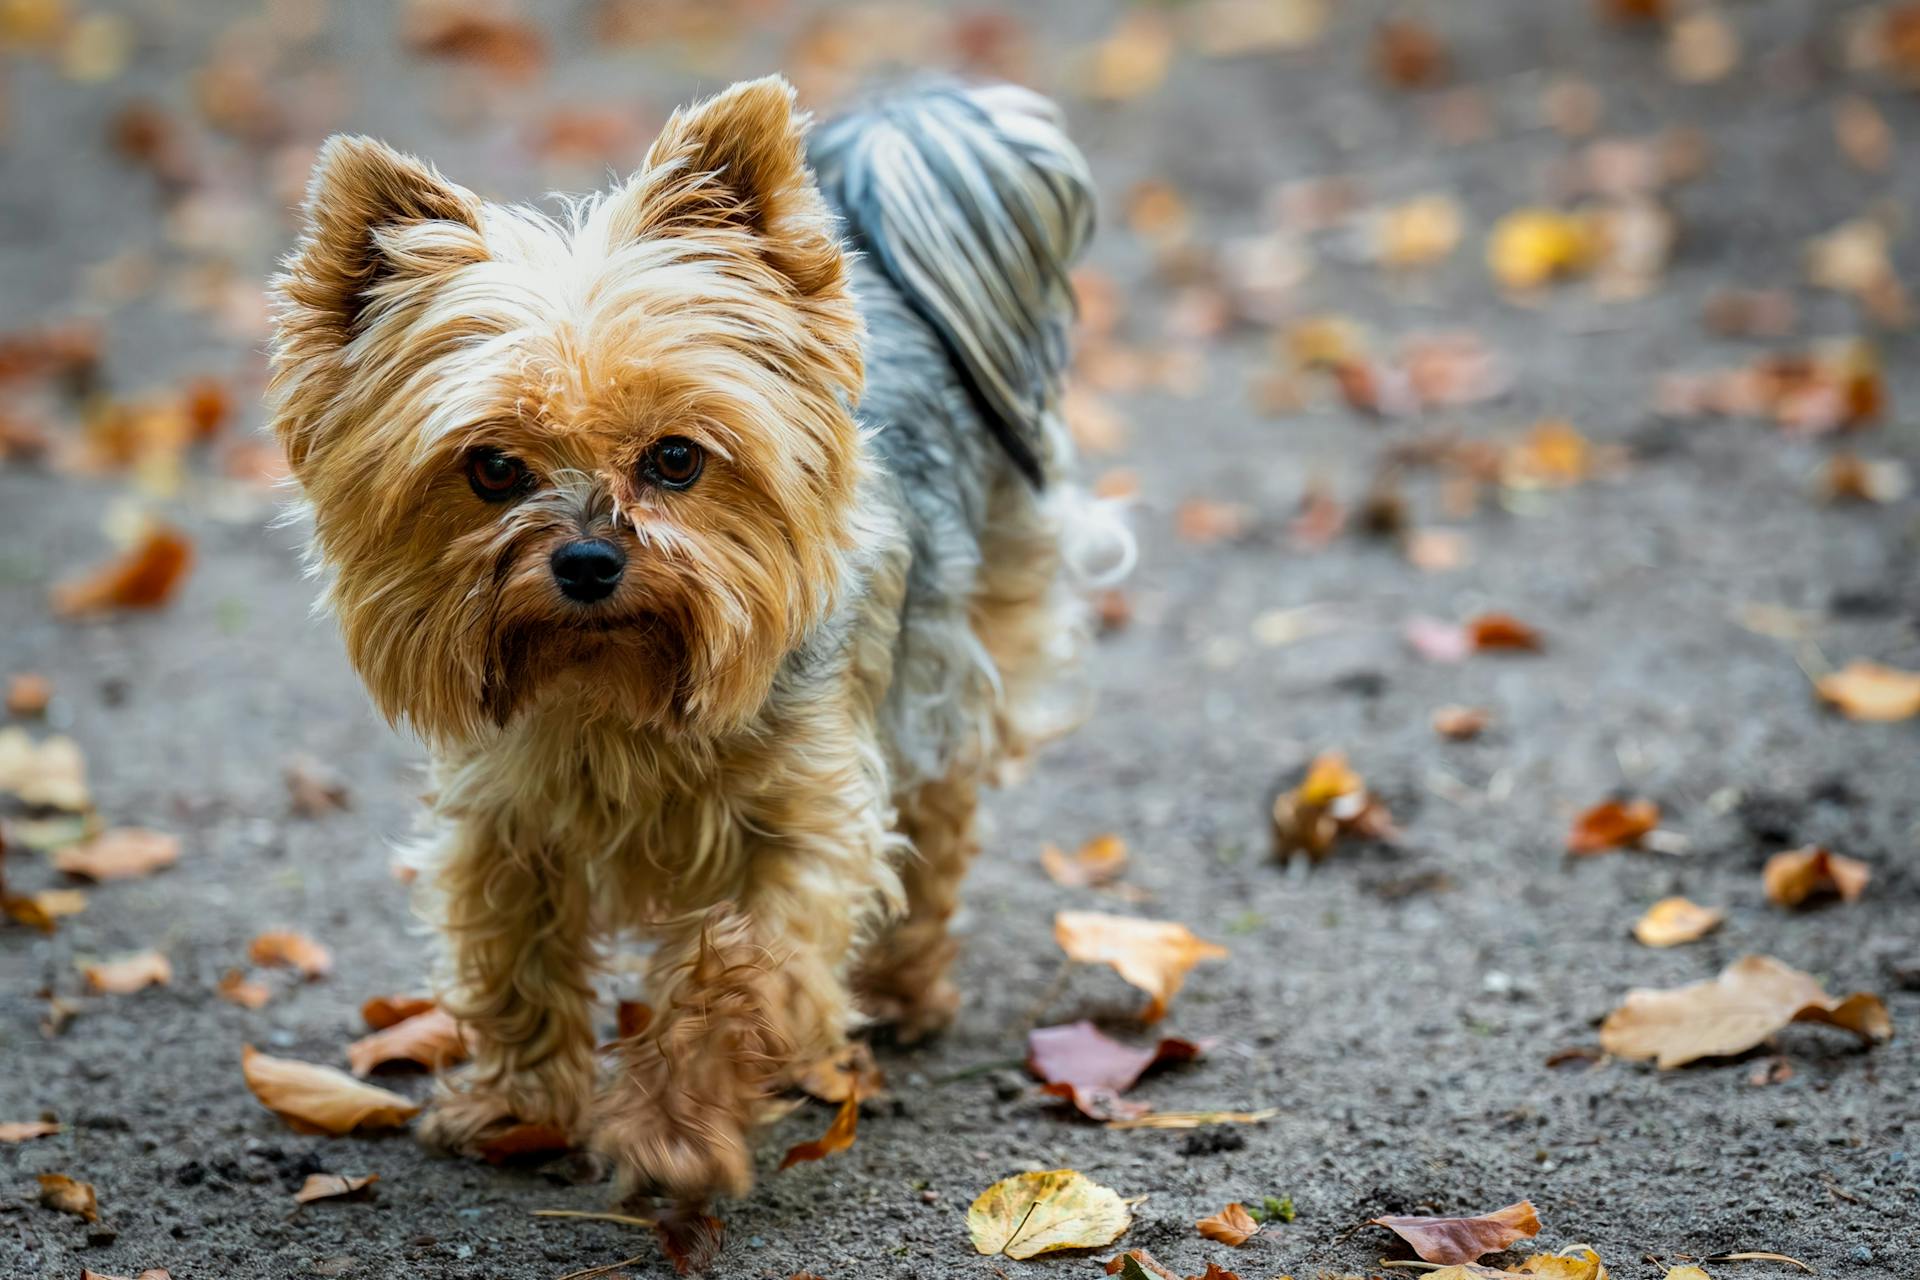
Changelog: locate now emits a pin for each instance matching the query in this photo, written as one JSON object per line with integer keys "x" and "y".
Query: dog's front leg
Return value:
{"x": 745, "y": 997}
{"x": 517, "y": 973}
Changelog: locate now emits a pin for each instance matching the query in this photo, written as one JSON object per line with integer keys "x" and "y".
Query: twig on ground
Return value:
{"x": 627, "y": 1218}
{"x": 600, "y": 1271}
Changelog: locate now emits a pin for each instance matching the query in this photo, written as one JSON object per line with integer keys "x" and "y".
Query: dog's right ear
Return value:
{"x": 374, "y": 218}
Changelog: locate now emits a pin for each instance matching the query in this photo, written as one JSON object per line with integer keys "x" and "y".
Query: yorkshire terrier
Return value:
{"x": 718, "y": 538}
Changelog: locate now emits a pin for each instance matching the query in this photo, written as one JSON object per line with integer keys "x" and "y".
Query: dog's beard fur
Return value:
{"x": 705, "y": 298}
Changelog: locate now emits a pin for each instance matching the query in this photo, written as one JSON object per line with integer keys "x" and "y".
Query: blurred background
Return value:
{"x": 1514, "y": 397}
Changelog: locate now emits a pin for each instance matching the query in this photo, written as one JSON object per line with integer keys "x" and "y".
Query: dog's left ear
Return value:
{"x": 738, "y": 162}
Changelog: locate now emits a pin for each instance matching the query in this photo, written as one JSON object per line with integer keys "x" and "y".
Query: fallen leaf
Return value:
{"x": 332, "y": 1186}
{"x": 1408, "y": 55}
{"x": 1096, "y": 862}
{"x": 1331, "y": 801}
{"x": 1439, "y": 641}
{"x": 120, "y": 854}
{"x": 1614, "y": 824}
{"x": 1672, "y": 921}
{"x": 1461, "y": 723}
{"x": 1750, "y": 1000}
{"x": 1751, "y": 313}
{"x": 28, "y": 694}
{"x": 129, "y": 974}
{"x": 316, "y": 1099}
{"x": 69, "y": 1195}
{"x": 1419, "y": 233}
{"x": 1034, "y": 1213}
{"x": 1701, "y": 47}
{"x": 1132, "y": 61}
{"x": 1687, "y": 1272}
{"x": 315, "y": 790}
{"x": 849, "y": 1073}
{"x": 286, "y": 949}
{"x": 431, "y": 1040}
{"x": 237, "y": 988}
{"x": 838, "y": 1137}
{"x": 1456, "y": 1241}
{"x": 511, "y": 49}
{"x": 1201, "y": 520}
{"x": 1530, "y": 247}
{"x": 1153, "y": 955}
{"x": 1869, "y": 691}
{"x": 1864, "y": 136}
{"x": 50, "y": 774}
{"x": 381, "y": 1012}
{"x": 26, "y": 1130}
{"x": 1797, "y": 875}
{"x": 1502, "y": 631}
{"x": 1194, "y": 1119}
{"x": 1238, "y": 28}
{"x": 1232, "y": 1226}
{"x": 146, "y": 577}
{"x": 524, "y": 1141}
{"x": 1091, "y": 1070}
{"x": 1138, "y": 1264}
{"x": 1850, "y": 478}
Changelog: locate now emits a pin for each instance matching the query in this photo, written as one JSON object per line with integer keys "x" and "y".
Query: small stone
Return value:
{"x": 1861, "y": 1254}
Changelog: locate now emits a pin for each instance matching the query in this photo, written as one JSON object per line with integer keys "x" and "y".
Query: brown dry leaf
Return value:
{"x": 1751, "y": 313}
{"x": 1131, "y": 61}
{"x": 1799, "y": 875}
{"x": 332, "y": 1186}
{"x": 1850, "y": 478}
{"x": 1552, "y": 455}
{"x": 1194, "y": 1119}
{"x": 287, "y": 949}
{"x": 28, "y": 694}
{"x": 1672, "y": 921}
{"x": 146, "y": 577}
{"x": 1613, "y": 824}
{"x": 1233, "y": 1225}
{"x": 1869, "y": 691}
{"x": 1530, "y": 247}
{"x": 524, "y": 1141}
{"x": 236, "y": 988}
{"x": 1099, "y": 861}
{"x": 1407, "y": 55}
{"x": 850, "y": 1073}
{"x": 1091, "y": 1070}
{"x": 431, "y": 1040}
{"x": 316, "y": 1099}
{"x": 1418, "y": 233}
{"x": 1153, "y": 955}
{"x": 315, "y": 790}
{"x": 1034, "y": 1213}
{"x": 27, "y": 1130}
{"x": 120, "y": 854}
{"x": 1437, "y": 550}
{"x": 382, "y": 1012}
{"x": 1701, "y": 47}
{"x": 1502, "y": 631}
{"x": 129, "y": 974}
{"x": 1461, "y": 723}
{"x": 462, "y": 32}
{"x": 1238, "y": 28}
{"x": 1331, "y": 801}
{"x": 51, "y": 774}
{"x": 1458, "y": 1241}
{"x": 1202, "y": 520}
{"x": 838, "y": 1137}
{"x": 1138, "y": 1264}
{"x": 1751, "y": 999}
{"x": 69, "y": 1195}
{"x": 1864, "y": 136}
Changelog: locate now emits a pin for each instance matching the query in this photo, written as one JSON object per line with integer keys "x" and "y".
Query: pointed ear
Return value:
{"x": 362, "y": 195}
{"x": 738, "y": 162}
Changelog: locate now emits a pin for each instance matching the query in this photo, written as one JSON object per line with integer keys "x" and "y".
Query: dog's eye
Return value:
{"x": 674, "y": 463}
{"x": 494, "y": 476}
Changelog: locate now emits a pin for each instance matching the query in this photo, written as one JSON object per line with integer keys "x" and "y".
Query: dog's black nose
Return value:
{"x": 588, "y": 570}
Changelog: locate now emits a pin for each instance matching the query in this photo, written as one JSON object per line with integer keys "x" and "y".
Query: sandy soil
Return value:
{"x": 1396, "y": 1005}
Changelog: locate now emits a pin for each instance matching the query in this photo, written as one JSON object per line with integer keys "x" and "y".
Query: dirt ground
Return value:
{"x": 1396, "y": 1005}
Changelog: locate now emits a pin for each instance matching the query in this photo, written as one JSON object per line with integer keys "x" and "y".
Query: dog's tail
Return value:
{"x": 974, "y": 203}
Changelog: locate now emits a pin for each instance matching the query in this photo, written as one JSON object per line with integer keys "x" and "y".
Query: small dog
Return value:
{"x": 717, "y": 538}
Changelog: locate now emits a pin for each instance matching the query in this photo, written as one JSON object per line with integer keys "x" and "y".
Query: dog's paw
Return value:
{"x": 491, "y": 1121}
{"x": 912, "y": 1017}
{"x": 654, "y": 1155}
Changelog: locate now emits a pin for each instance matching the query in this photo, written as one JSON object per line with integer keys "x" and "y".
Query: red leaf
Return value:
{"x": 1091, "y": 1069}
{"x": 1456, "y": 1241}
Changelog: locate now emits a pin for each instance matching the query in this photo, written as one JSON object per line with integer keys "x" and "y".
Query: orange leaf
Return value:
{"x": 69, "y": 1195}
{"x": 316, "y": 1099}
{"x": 28, "y": 694}
{"x": 1456, "y": 1241}
{"x": 849, "y": 1073}
{"x": 838, "y": 1137}
{"x": 431, "y": 1040}
{"x": 1096, "y": 862}
{"x": 120, "y": 854}
{"x": 1750, "y": 1000}
{"x": 145, "y": 577}
{"x": 284, "y": 948}
{"x": 1502, "y": 631}
{"x": 1869, "y": 691}
{"x": 1233, "y": 1225}
{"x": 332, "y": 1186}
{"x": 382, "y": 1012}
{"x": 524, "y": 1141}
{"x": 235, "y": 986}
{"x": 1797, "y": 875}
{"x": 1612, "y": 825}
{"x": 1460, "y": 723}
{"x": 1672, "y": 921}
{"x": 1153, "y": 955}
{"x": 23, "y": 1130}
{"x": 129, "y": 974}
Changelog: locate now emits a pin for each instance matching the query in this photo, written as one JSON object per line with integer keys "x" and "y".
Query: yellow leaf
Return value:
{"x": 1034, "y": 1213}
{"x": 1529, "y": 247}
{"x": 317, "y": 1099}
{"x": 1672, "y": 921}
{"x": 1096, "y": 862}
{"x": 1153, "y": 955}
{"x": 1869, "y": 691}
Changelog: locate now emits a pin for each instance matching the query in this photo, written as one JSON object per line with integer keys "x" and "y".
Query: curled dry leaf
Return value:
{"x": 1870, "y": 691}
{"x": 1153, "y": 955}
{"x": 120, "y": 854}
{"x": 431, "y": 1040}
{"x": 524, "y": 1141}
{"x": 1798, "y": 875}
{"x": 1034, "y": 1213}
{"x": 146, "y": 577}
{"x": 1672, "y": 921}
{"x": 1096, "y": 862}
{"x": 1091, "y": 1070}
{"x": 51, "y": 774}
{"x": 381, "y": 1012}
{"x": 26, "y": 1130}
{"x": 1750, "y": 1000}
{"x": 838, "y": 1137}
{"x": 1457, "y": 1241}
{"x": 129, "y": 974}
{"x": 69, "y": 1195}
{"x": 1331, "y": 801}
{"x": 287, "y": 949}
{"x": 332, "y": 1186}
{"x": 1614, "y": 824}
{"x": 236, "y": 988}
{"x": 1233, "y": 1225}
{"x": 316, "y": 1099}
{"x": 1502, "y": 631}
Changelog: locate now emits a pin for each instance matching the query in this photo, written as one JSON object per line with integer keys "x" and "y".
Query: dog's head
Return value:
{"x": 612, "y": 452}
